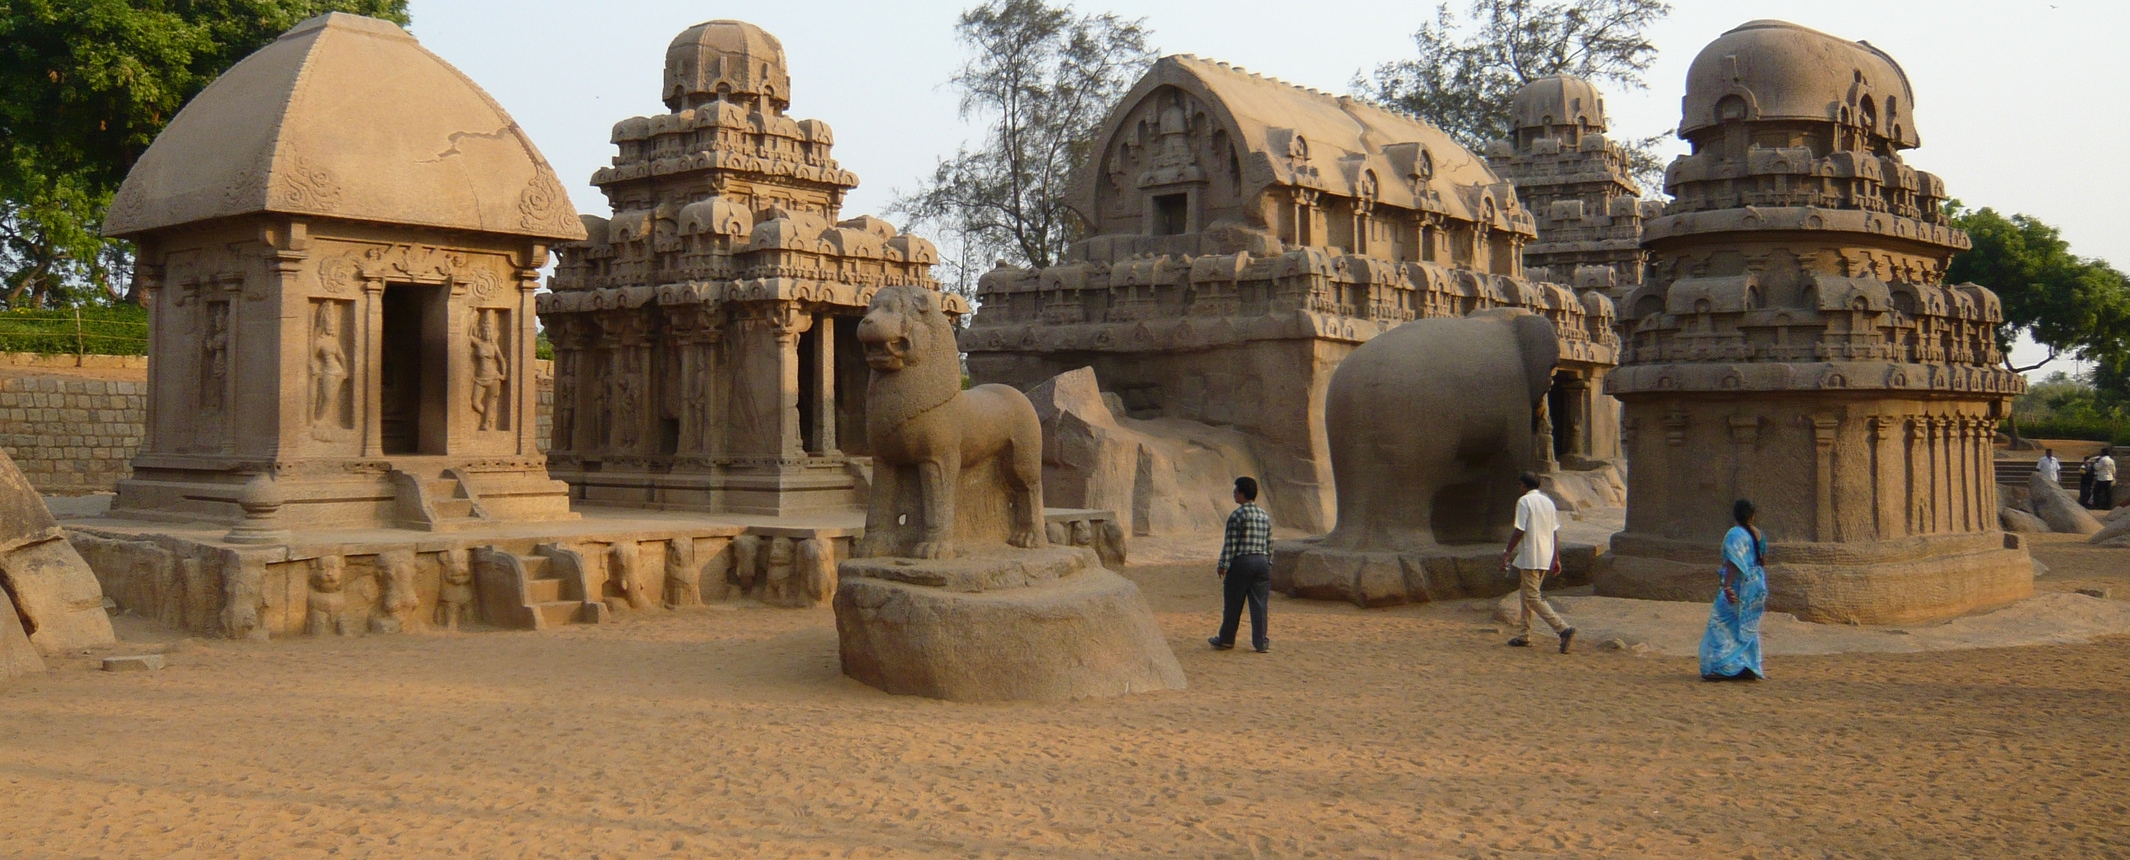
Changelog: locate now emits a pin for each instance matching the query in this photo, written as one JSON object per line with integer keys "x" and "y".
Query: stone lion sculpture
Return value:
{"x": 940, "y": 454}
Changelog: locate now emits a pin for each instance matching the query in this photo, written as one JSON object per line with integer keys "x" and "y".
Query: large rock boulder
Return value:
{"x": 2117, "y": 532}
{"x": 2021, "y": 522}
{"x": 57, "y": 595}
{"x": 1161, "y": 476}
{"x": 1043, "y": 625}
{"x": 17, "y": 656}
{"x": 2059, "y": 508}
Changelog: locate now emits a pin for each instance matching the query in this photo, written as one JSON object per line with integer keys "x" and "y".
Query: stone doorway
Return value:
{"x": 411, "y": 366}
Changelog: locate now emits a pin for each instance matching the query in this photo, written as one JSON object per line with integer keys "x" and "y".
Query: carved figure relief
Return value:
{"x": 329, "y": 366}
{"x": 491, "y": 369}
{"x": 243, "y": 597}
{"x": 683, "y": 583}
{"x": 214, "y": 356}
{"x": 454, "y": 594}
{"x": 327, "y": 606}
{"x": 400, "y": 600}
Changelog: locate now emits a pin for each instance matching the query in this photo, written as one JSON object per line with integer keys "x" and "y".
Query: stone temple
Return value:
{"x": 1247, "y": 235}
{"x": 1579, "y": 187}
{"x": 343, "y": 299}
{"x": 1796, "y": 346}
{"x": 706, "y": 352}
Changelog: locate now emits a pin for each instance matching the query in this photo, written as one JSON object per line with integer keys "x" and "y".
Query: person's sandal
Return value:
{"x": 1219, "y": 645}
{"x": 1567, "y": 636}
{"x": 1520, "y": 642}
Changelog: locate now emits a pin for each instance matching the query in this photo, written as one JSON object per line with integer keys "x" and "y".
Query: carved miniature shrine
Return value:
{"x": 706, "y": 352}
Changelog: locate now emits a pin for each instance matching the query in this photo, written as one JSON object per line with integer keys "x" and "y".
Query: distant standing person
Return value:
{"x": 1534, "y": 551}
{"x": 2085, "y": 483}
{"x": 2104, "y": 481}
{"x": 1245, "y": 569}
{"x": 2049, "y": 467}
{"x": 1730, "y": 651}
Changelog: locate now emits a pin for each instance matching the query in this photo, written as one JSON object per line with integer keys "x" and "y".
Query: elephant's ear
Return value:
{"x": 1541, "y": 350}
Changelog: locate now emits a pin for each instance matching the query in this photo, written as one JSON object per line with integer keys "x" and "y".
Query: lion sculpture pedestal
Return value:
{"x": 954, "y": 592}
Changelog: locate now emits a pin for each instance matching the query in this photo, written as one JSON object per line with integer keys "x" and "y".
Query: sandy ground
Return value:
{"x": 1392, "y": 733}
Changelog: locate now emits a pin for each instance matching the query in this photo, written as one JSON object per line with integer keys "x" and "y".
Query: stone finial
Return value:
{"x": 262, "y": 502}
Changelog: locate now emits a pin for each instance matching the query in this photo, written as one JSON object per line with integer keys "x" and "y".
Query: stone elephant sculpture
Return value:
{"x": 1429, "y": 425}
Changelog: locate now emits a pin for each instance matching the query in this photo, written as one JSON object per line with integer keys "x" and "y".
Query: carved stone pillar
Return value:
{"x": 788, "y": 322}
{"x": 825, "y": 385}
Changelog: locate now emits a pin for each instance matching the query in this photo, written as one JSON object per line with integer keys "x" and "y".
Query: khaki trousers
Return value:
{"x": 1535, "y": 604}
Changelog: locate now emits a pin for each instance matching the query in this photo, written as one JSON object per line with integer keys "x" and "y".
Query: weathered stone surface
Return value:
{"x": 1160, "y": 476}
{"x": 45, "y": 579}
{"x": 2059, "y": 509}
{"x": 2117, "y": 533}
{"x": 342, "y": 235}
{"x": 2020, "y": 522}
{"x": 134, "y": 663}
{"x": 1795, "y": 345}
{"x": 1086, "y": 634}
{"x": 17, "y": 656}
{"x": 1578, "y": 185}
{"x": 1308, "y": 569}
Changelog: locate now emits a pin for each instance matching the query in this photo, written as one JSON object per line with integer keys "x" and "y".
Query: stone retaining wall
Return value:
{"x": 72, "y": 434}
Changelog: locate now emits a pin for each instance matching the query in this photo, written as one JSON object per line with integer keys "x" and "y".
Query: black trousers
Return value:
{"x": 1249, "y": 580}
{"x": 2103, "y": 497}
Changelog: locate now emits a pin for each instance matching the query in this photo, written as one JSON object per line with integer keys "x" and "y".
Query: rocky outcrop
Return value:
{"x": 60, "y": 603}
{"x": 2058, "y": 508}
{"x": 2021, "y": 522}
{"x": 1160, "y": 476}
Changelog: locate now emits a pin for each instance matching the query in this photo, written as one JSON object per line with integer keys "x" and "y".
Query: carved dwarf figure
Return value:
{"x": 328, "y": 603}
{"x": 925, "y": 430}
{"x": 777, "y": 587}
{"x": 400, "y": 600}
{"x": 683, "y": 588}
{"x": 746, "y": 553}
{"x": 454, "y": 594}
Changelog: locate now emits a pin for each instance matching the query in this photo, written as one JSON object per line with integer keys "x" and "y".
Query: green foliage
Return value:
{"x": 1042, "y": 78}
{"x": 85, "y": 85}
{"x": 2062, "y": 407}
{"x": 543, "y": 348}
{"x": 1464, "y": 73}
{"x": 92, "y": 330}
{"x": 2072, "y": 305}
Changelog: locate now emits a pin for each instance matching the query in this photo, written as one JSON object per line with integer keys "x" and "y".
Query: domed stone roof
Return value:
{"x": 1558, "y": 100}
{"x": 1776, "y": 70}
{"x": 346, "y": 117}
{"x": 736, "y": 56}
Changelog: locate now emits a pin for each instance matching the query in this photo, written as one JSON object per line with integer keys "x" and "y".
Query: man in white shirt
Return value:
{"x": 2050, "y": 467}
{"x": 1534, "y": 551}
{"x": 2104, "y": 482}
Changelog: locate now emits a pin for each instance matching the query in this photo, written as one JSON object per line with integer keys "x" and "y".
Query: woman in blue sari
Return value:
{"x": 1731, "y": 649}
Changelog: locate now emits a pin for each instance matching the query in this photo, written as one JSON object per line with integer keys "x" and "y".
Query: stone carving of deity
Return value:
{"x": 329, "y": 366}
{"x": 214, "y": 356}
{"x": 491, "y": 369}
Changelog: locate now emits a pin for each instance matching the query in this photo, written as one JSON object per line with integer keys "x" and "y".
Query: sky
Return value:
{"x": 2005, "y": 91}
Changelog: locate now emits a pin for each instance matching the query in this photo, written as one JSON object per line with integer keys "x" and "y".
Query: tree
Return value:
{"x": 1464, "y": 75}
{"x": 85, "y": 85}
{"x": 2073, "y": 306}
{"x": 1042, "y": 78}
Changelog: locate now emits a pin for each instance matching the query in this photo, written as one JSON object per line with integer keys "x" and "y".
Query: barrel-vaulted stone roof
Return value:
{"x": 346, "y": 117}
{"x": 1292, "y": 136}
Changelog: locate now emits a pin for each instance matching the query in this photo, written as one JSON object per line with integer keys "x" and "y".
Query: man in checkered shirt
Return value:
{"x": 1245, "y": 569}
